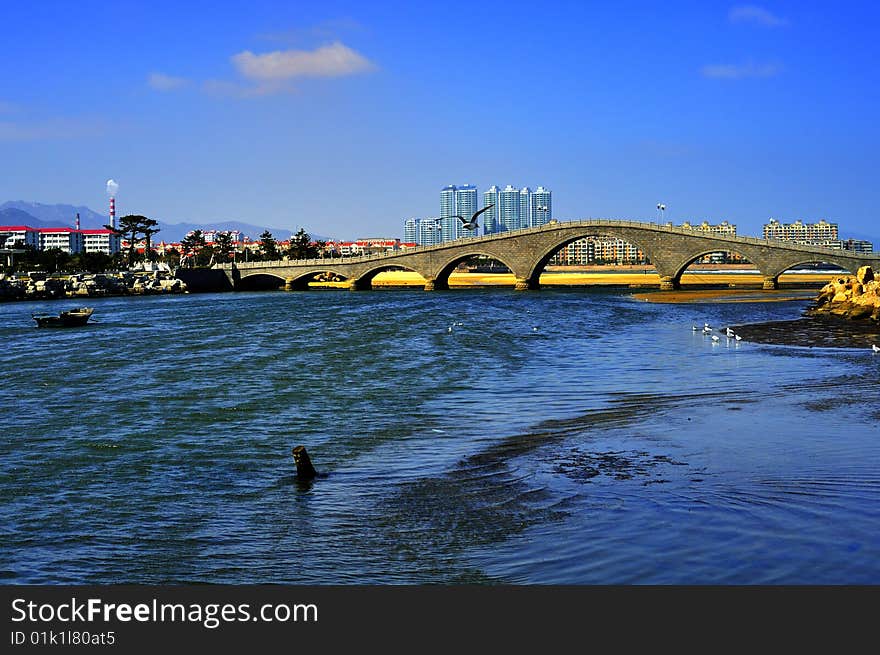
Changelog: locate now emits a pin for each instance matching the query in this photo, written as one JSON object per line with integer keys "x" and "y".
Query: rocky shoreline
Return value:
{"x": 855, "y": 297}
{"x": 846, "y": 314}
{"x": 88, "y": 285}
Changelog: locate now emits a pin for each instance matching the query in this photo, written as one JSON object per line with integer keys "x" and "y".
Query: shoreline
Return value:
{"x": 724, "y": 285}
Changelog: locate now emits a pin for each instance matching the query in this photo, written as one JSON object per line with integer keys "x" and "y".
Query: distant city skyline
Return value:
{"x": 327, "y": 115}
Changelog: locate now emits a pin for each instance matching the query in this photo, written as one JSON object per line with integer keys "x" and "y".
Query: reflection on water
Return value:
{"x": 566, "y": 436}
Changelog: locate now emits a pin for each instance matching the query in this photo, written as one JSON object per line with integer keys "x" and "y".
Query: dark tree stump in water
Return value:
{"x": 304, "y": 468}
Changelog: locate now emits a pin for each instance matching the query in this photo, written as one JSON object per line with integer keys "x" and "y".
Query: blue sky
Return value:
{"x": 346, "y": 118}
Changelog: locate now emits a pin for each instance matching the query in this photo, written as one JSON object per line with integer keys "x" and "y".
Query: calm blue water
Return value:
{"x": 611, "y": 445}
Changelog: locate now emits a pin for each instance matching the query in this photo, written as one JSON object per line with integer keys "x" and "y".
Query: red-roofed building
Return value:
{"x": 105, "y": 241}
{"x": 19, "y": 236}
{"x": 64, "y": 238}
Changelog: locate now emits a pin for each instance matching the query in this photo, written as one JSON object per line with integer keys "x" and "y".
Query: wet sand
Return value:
{"x": 814, "y": 332}
{"x": 726, "y": 295}
{"x": 627, "y": 277}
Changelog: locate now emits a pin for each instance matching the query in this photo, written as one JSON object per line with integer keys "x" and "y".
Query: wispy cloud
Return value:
{"x": 740, "y": 71}
{"x": 52, "y": 129}
{"x": 756, "y": 16}
{"x": 334, "y": 60}
{"x": 274, "y": 72}
{"x": 163, "y": 82}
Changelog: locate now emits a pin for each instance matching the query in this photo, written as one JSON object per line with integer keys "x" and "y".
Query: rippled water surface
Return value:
{"x": 561, "y": 436}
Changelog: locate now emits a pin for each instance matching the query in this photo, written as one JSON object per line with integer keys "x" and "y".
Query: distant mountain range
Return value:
{"x": 35, "y": 214}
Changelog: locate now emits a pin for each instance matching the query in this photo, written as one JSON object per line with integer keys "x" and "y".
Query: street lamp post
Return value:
{"x": 661, "y": 209}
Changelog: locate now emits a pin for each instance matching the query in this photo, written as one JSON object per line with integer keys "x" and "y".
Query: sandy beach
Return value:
{"x": 727, "y": 286}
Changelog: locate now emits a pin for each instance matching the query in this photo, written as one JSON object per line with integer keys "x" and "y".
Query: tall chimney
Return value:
{"x": 77, "y": 221}
{"x": 113, "y": 212}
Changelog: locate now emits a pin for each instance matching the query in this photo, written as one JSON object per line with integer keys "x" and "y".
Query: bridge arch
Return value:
{"x": 693, "y": 257}
{"x": 550, "y": 251}
{"x": 842, "y": 262}
{"x": 365, "y": 279}
{"x": 441, "y": 279}
{"x": 259, "y": 281}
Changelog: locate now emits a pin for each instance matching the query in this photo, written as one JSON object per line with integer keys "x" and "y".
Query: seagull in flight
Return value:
{"x": 472, "y": 224}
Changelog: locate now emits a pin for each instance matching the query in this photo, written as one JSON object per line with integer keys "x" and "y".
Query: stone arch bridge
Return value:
{"x": 526, "y": 252}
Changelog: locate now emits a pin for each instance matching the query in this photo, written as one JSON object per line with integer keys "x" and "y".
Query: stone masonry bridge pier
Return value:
{"x": 526, "y": 253}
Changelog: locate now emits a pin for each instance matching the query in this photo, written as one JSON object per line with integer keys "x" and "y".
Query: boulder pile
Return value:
{"x": 852, "y": 296}
{"x": 87, "y": 285}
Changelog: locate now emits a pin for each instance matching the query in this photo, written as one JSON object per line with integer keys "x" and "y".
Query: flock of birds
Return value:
{"x": 730, "y": 334}
{"x": 707, "y": 330}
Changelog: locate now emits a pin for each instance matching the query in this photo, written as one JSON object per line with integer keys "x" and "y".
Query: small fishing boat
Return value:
{"x": 69, "y": 318}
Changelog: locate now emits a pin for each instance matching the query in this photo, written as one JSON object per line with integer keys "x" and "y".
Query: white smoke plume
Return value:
{"x": 112, "y": 188}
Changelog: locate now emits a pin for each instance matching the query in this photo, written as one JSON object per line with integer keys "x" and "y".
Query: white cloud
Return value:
{"x": 162, "y": 82}
{"x": 740, "y": 71}
{"x": 756, "y": 15}
{"x": 334, "y": 60}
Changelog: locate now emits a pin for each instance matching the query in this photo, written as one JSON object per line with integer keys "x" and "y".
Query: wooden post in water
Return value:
{"x": 304, "y": 468}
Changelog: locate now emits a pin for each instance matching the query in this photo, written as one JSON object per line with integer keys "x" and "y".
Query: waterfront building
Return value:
{"x": 490, "y": 216}
{"x": 62, "y": 238}
{"x": 448, "y": 223}
{"x": 428, "y": 232}
{"x": 377, "y": 245}
{"x": 466, "y": 203}
{"x": 525, "y": 207}
{"x": 457, "y": 201}
{"x": 508, "y": 212}
{"x": 858, "y": 245}
{"x": 801, "y": 232}
{"x": 411, "y": 230}
{"x": 19, "y": 236}
{"x": 105, "y": 241}
{"x": 516, "y": 208}
{"x": 211, "y": 235}
{"x": 598, "y": 250}
{"x": 541, "y": 207}
{"x": 577, "y": 253}
{"x": 724, "y": 229}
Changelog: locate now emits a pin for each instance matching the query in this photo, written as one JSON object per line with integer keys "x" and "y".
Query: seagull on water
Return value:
{"x": 706, "y": 329}
{"x": 875, "y": 348}
{"x": 694, "y": 327}
{"x": 471, "y": 224}
{"x": 738, "y": 338}
{"x": 715, "y": 338}
{"x": 730, "y": 333}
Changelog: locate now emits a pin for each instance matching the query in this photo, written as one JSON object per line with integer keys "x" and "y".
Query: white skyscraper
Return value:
{"x": 449, "y": 225}
{"x": 410, "y": 231}
{"x": 429, "y": 232}
{"x": 542, "y": 207}
{"x": 508, "y": 213}
{"x": 490, "y": 216}
{"x": 525, "y": 207}
{"x": 466, "y": 199}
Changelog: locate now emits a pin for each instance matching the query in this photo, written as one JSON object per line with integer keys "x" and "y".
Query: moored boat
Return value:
{"x": 68, "y": 318}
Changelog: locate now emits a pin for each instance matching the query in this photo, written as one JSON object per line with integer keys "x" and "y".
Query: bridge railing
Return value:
{"x": 549, "y": 227}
